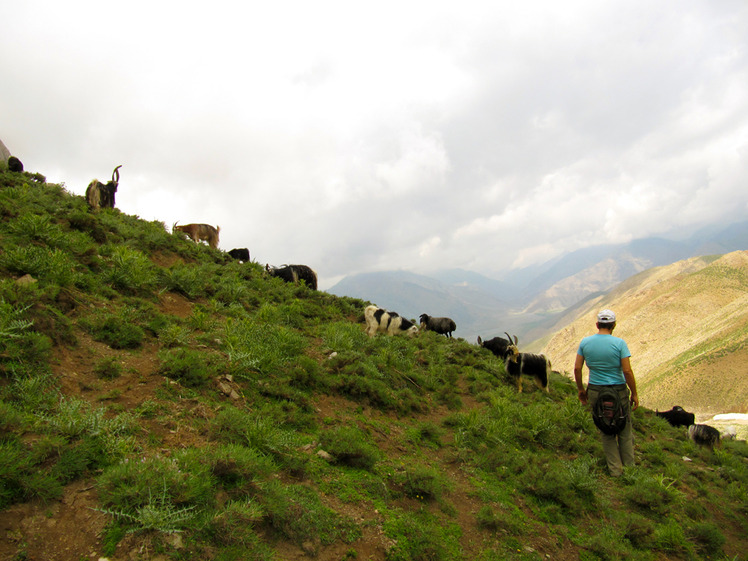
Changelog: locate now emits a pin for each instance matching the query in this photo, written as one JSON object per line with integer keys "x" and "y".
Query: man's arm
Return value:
{"x": 628, "y": 373}
{"x": 578, "y": 377}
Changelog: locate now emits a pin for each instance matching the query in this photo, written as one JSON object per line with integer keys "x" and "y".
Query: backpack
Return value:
{"x": 609, "y": 413}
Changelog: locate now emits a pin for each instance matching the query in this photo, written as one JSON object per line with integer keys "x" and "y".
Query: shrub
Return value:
{"x": 108, "y": 369}
{"x": 256, "y": 346}
{"x": 162, "y": 494}
{"x": 499, "y": 519}
{"x": 189, "y": 367}
{"x": 129, "y": 270}
{"x": 116, "y": 330}
{"x": 186, "y": 280}
{"x": 670, "y": 537}
{"x": 296, "y": 512}
{"x": 258, "y": 431}
{"x": 420, "y": 536}
{"x": 53, "y": 266}
{"x": 707, "y": 537}
{"x": 424, "y": 483}
{"x": 174, "y": 335}
{"x": 233, "y": 526}
{"x": 350, "y": 446}
{"x": 650, "y": 493}
{"x": 237, "y": 468}
{"x": 426, "y": 433}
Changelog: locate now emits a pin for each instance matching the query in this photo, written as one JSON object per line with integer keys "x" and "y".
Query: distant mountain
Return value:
{"x": 529, "y": 302}
{"x": 575, "y": 276}
{"x": 686, "y": 325}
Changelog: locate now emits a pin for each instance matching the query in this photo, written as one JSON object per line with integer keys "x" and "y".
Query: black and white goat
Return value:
{"x": 442, "y": 326}
{"x": 519, "y": 364}
{"x": 498, "y": 345}
{"x": 704, "y": 435}
{"x": 378, "y": 319}
{"x": 294, "y": 274}
{"x": 101, "y": 195}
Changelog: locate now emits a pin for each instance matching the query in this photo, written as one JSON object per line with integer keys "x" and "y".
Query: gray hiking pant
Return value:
{"x": 618, "y": 448}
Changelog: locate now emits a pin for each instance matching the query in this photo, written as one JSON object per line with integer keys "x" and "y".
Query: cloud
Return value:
{"x": 404, "y": 134}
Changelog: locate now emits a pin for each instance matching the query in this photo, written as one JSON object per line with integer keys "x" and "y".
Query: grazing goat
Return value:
{"x": 730, "y": 433}
{"x": 677, "y": 417}
{"x": 442, "y": 326}
{"x": 101, "y": 195}
{"x": 200, "y": 232}
{"x": 704, "y": 435}
{"x": 14, "y": 164}
{"x": 240, "y": 254}
{"x": 294, "y": 274}
{"x": 498, "y": 345}
{"x": 390, "y": 323}
{"x": 519, "y": 364}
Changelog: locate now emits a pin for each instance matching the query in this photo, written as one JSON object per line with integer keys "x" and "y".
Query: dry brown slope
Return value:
{"x": 686, "y": 325}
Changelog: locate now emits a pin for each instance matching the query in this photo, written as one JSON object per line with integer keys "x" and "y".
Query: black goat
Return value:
{"x": 498, "y": 345}
{"x": 677, "y": 417}
{"x": 294, "y": 274}
{"x": 442, "y": 326}
{"x": 14, "y": 164}
{"x": 240, "y": 254}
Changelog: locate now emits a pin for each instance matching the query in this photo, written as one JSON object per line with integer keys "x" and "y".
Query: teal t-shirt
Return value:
{"x": 603, "y": 354}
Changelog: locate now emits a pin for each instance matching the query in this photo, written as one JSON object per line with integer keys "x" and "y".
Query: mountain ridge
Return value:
{"x": 530, "y": 301}
{"x": 680, "y": 321}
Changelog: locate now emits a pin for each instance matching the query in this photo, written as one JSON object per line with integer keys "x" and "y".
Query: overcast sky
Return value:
{"x": 361, "y": 136}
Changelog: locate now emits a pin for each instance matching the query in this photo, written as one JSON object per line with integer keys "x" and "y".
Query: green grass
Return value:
{"x": 519, "y": 476}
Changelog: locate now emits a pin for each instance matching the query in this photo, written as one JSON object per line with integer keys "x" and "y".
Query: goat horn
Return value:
{"x": 116, "y": 173}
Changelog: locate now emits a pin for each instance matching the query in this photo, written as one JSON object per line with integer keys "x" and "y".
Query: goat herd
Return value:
{"x": 517, "y": 364}
{"x": 101, "y": 195}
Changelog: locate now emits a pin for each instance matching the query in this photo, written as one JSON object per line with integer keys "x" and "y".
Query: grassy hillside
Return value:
{"x": 159, "y": 401}
{"x": 687, "y": 327}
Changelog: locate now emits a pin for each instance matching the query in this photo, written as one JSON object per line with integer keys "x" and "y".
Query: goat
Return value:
{"x": 240, "y": 254}
{"x": 519, "y": 364}
{"x": 498, "y": 345}
{"x": 442, "y": 326}
{"x": 200, "y": 232}
{"x": 294, "y": 274}
{"x": 677, "y": 417}
{"x": 378, "y": 319}
{"x": 704, "y": 435}
{"x": 14, "y": 164}
{"x": 730, "y": 433}
{"x": 101, "y": 195}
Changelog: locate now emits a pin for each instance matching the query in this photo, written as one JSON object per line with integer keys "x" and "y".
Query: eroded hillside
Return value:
{"x": 159, "y": 400}
{"x": 686, "y": 325}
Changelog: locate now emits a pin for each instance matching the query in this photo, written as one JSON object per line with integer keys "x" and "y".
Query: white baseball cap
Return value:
{"x": 606, "y": 316}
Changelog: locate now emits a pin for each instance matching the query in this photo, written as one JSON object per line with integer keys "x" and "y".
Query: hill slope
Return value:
{"x": 686, "y": 325}
{"x": 160, "y": 401}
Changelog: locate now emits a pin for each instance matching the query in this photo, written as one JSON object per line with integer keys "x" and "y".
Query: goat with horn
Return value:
{"x": 101, "y": 195}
